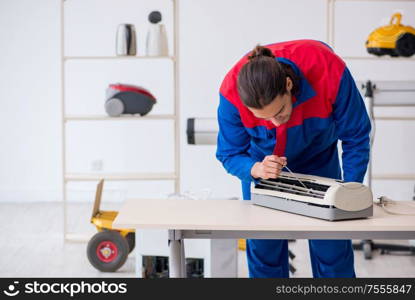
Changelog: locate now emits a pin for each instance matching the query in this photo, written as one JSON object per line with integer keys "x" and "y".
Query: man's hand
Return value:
{"x": 270, "y": 167}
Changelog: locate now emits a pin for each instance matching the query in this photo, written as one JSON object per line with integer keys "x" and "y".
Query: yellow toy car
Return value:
{"x": 108, "y": 249}
{"x": 394, "y": 39}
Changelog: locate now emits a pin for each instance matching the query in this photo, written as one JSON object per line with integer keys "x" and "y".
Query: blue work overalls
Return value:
{"x": 327, "y": 108}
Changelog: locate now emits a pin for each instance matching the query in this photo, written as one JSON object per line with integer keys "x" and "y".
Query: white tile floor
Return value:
{"x": 32, "y": 246}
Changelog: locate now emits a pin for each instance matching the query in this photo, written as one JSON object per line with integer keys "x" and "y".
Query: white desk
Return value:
{"x": 231, "y": 219}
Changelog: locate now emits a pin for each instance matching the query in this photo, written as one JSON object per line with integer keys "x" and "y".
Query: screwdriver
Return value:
{"x": 292, "y": 174}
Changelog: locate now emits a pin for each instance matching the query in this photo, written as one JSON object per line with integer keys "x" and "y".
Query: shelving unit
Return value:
{"x": 116, "y": 57}
{"x": 330, "y": 10}
{"x": 67, "y": 177}
{"x": 121, "y": 118}
{"x": 119, "y": 176}
{"x": 392, "y": 90}
{"x": 331, "y": 13}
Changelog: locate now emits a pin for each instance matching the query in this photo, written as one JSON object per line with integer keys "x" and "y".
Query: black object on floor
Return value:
{"x": 368, "y": 246}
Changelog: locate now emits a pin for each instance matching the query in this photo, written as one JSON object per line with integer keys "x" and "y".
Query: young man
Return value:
{"x": 290, "y": 103}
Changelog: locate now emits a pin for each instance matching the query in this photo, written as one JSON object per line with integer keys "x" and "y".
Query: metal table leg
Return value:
{"x": 177, "y": 260}
{"x": 138, "y": 256}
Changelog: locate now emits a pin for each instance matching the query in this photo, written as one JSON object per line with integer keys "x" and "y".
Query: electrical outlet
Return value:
{"x": 97, "y": 165}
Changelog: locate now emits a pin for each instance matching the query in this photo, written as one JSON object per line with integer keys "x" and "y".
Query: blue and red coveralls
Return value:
{"x": 328, "y": 107}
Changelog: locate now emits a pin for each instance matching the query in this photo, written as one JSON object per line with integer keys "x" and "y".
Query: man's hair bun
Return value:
{"x": 260, "y": 51}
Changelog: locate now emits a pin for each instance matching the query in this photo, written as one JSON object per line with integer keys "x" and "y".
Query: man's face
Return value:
{"x": 279, "y": 110}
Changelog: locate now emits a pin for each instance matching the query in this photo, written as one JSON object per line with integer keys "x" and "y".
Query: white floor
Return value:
{"x": 32, "y": 246}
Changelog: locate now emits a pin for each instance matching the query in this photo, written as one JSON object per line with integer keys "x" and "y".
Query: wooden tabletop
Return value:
{"x": 242, "y": 215}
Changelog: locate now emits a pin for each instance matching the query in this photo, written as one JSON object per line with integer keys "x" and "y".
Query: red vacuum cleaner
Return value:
{"x": 128, "y": 99}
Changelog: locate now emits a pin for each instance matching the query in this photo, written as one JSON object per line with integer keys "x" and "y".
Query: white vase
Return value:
{"x": 157, "y": 41}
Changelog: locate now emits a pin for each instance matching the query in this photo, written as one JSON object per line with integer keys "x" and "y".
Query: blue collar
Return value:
{"x": 305, "y": 90}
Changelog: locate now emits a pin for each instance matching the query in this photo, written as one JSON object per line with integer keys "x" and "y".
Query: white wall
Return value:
{"x": 29, "y": 95}
{"x": 213, "y": 35}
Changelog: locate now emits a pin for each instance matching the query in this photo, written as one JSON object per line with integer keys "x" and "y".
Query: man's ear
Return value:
{"x": 289, "y": 84}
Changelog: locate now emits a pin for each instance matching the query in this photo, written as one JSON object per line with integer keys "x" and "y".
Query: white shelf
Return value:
{"x": 377, "y": 58}
{"x": 397, "y": 118}
{"x": 126, "y": 57}
{"x": 78, "y": 237}
{"x": 120, "y": 118}
{"x": 119, "y": 176}
{"x": 393, "y": 176}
